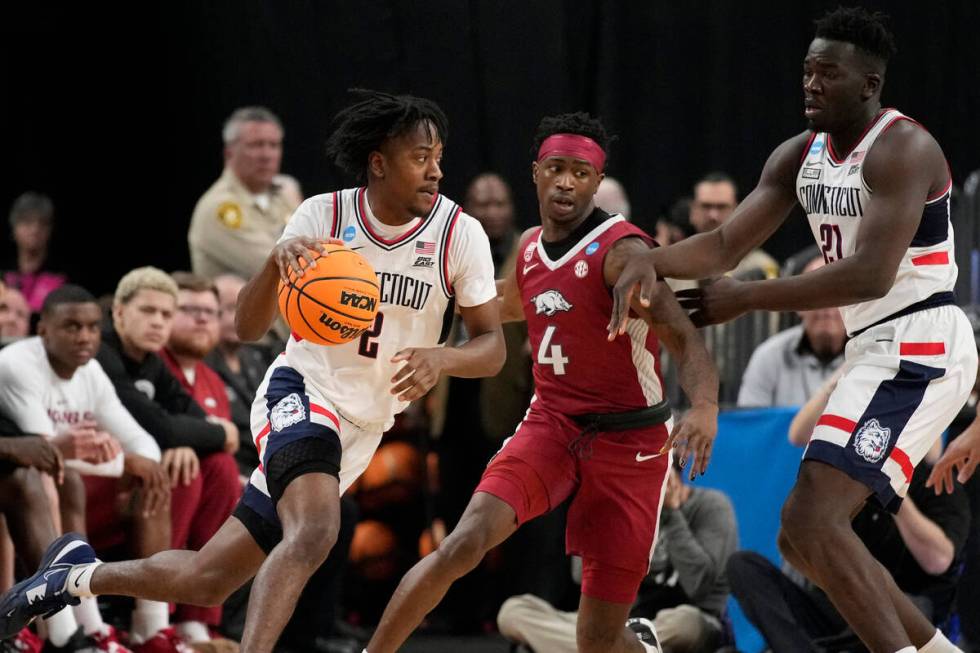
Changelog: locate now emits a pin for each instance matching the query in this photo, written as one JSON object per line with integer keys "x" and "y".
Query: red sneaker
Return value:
{"x": 108, "y": 641}
{"x": 24, "y": 641}
{"x": 165, "y": 641}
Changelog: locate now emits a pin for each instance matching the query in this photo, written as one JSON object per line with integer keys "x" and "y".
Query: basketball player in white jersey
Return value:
{"x": 875, "y": 187}
{"x": 320, "y": 412}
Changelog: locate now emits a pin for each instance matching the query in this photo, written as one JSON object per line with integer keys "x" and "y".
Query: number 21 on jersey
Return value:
{"x": 549, "y": 354}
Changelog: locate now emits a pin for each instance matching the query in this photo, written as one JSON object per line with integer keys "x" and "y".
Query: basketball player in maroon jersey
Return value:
{"x": 598, "y": 426}
{"x": 875, "y": 187}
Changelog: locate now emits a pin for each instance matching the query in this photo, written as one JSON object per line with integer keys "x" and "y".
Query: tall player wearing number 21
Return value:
{"x": 319, "y": 414}
{"x": 875, "y": 188}
{"x": 598, "y": 428}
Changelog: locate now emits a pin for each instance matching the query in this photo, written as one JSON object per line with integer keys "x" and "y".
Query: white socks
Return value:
{"x": 907, "y": 649}
{"x": 939, "y": 644}
{"x": 60, "y": 627}
{"x": 87, "y": 614}
{"x": 149, "y": 618}
{"x": 80, "y": 579}
{"x": 193, "y": 631}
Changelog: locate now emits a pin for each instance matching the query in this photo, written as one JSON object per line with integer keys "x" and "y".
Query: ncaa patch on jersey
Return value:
{"x": 349, "y": 233}
{"x": 288, "y": 411}
{"x": 590, "y": 250}
{"x": 816, "y": 146}
{"x": 871, "y": 441}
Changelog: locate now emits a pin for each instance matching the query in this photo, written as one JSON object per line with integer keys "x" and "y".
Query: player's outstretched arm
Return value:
{"x": 694, "y": 435}
{"x": 718, "y": 251}
{"x": 901, "y": 168}
{"x": 257, "y": 303}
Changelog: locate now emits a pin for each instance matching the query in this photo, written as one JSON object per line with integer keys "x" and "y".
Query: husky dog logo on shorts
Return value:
{"x": 287, "y": 412}
{"x": 872, "y": 441}
{"x": 550, "y": 302}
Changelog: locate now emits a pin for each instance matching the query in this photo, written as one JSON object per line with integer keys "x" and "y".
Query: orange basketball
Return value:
{"x": 334, "y": 302}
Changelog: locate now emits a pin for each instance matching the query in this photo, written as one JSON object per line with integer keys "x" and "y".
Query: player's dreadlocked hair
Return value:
{"x": 579, "y": 123}
{"x": 374, "y": 118}
{"x": 864, "y": 29}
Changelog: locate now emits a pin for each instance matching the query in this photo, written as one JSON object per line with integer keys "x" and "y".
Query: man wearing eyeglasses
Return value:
{"x": 154, "y": 320}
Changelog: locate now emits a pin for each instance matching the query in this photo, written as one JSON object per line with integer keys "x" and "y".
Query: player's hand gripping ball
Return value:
{"x": 333, "y": 302}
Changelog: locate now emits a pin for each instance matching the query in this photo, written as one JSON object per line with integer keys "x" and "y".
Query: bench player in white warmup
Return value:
{"x": 875, "y": 187}
{"x": 320, "y": 412}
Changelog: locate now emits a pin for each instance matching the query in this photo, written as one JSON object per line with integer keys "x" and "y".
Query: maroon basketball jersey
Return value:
{"x": 567, "y": 305}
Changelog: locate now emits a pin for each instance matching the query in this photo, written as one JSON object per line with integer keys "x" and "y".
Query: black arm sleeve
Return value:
{"x": 171, "y": 429}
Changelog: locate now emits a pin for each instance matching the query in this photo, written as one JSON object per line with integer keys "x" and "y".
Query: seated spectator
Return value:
{"x": 715, "y": 199}
{"x": 242, "y": 366}
{"x": 611, "y": 197}
{"x": 32, "y": 220}
{"x": 15, "y": 315}
{"x": 25, "y": 508}
{"x": 685, "y": 591}
{"x": 197, "y": 447}
{"x": 51, "y": 386}
{"x": 789, "y": 367}
{"x": 206, "y": 487}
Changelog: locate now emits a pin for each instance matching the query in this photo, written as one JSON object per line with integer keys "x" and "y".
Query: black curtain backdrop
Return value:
{"x": 117, "y": 114}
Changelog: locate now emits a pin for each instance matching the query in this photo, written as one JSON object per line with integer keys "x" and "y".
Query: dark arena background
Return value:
{"x": 118, "y": 115}
{"x": 116, "y": 112}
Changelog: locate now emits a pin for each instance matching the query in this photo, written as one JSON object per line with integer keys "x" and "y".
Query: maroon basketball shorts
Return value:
{"x": 616, "y": 478}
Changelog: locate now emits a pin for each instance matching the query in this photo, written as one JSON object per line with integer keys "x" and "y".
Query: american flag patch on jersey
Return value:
{"x": 425, "y": 248}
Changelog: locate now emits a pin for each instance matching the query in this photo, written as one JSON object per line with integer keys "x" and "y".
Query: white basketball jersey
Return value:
{"x": 835, "y": 195}
{"x": 438, "y": 259}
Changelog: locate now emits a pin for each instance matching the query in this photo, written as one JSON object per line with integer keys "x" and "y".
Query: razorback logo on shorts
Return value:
{"x": 288, "y": 411}
{"x": 871, "y": 441}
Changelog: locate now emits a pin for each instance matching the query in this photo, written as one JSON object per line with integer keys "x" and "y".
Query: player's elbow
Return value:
{"x": 872, "y": 282}
{"x": 497, "y": 355}
{"x": 937, "y": 559}
{"x": 247, "y": 330}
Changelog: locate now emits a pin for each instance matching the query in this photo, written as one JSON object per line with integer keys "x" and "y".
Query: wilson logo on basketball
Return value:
{"x": 346, "y": 332}
{"x": 358, "y": 301}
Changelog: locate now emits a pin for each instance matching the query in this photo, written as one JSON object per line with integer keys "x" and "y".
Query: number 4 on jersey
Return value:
{"x": 554, "y": 357}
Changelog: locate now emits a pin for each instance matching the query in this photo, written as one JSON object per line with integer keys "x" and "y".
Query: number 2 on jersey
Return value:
{"x": 366, "y": 347}
{"x": 832, "y": 239}
{"x": 553, "y": 357}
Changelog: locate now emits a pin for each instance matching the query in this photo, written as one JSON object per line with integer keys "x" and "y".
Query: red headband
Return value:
{"x": 574, "y": 145}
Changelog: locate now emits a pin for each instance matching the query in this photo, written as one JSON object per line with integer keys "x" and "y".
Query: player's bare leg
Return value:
{"x": 24, "y": 504}
{"x": 816, "y": 522}
{"x": 310, "y": 514}
{"x": 486, "y": 522}
{"x": 204, "y": 577}
{"x": 917, "y": 626}
{"x": 601, "y": 627}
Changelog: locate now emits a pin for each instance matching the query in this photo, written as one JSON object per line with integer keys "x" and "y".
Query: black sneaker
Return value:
{"x": 645, "y": 632}
{"x": 79, "y": 643}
